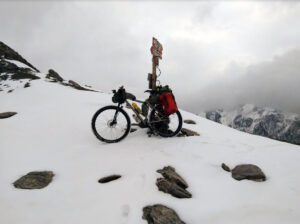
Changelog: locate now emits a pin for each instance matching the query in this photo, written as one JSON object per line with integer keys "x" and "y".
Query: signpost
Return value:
{"x": 156, "y": 51}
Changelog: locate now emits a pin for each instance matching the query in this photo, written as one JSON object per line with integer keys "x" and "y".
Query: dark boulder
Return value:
{"x": 109, "y": 178}
{"x": 172, "y": 183}
{"x": 248, "y": 171}
{"x": 170, "y": 174}
{"x": 172, "y": 188}
{"x": 7, "y": 114}
{"x": 53, "y": 75}
{"x": 160, "y": 214}
{"x": 34, "y": 180}
{"x": 189, "y": 121}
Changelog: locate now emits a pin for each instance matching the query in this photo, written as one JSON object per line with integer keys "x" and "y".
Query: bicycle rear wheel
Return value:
{"x": 108, "y": 129}
{"x": 165, "y": 125}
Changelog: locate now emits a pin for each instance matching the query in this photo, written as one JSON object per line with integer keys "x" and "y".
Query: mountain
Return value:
{"x": 261, "y": 121}
{"x": 51, "y": 131}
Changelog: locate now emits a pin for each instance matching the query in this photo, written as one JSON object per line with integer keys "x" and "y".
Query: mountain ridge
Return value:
{"x": 263, "y": 121}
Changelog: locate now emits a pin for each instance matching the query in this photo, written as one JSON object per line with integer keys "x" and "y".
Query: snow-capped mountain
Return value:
{"x": 266, "y": 122}
{"x": 51, "y": 131}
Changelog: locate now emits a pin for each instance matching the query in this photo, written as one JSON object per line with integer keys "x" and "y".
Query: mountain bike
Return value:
{"x": 112, "y": 123}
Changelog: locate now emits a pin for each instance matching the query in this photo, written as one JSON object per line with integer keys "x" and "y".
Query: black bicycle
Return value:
{"x": 112, "y": 124}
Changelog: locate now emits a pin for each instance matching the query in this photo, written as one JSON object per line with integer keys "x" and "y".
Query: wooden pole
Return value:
{"x": 155, "y": 61}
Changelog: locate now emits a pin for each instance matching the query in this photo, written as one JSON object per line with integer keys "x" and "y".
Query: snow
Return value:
{"x": 52, "y": 132}
{"x": 18, "y": 63}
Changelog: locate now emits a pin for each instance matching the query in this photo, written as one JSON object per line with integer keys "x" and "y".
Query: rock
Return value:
{"x": 9, "y": 53}
{"x": 23, "y": 75}
{"x": 248, "y": 171}
{"x": 160, "y": 214}
{"x": 27, "y": 84}
{"x": 225, "y": 167}
{"x": 189, "y": 122}
{"x": 10, "y": 91}
{"x": 108, "y": 179}
{"x": 7, "y": 114}
{"x": 34, "y": 180}
{"x": 172, "y": 188}
{"x": 77, "y": 86}
{"x": 54, "y": 76}
{"x": 172, "y": 183}
{"x": 133, "y": 130}
{"x": 187, "y": 132}
{"x": 169, "y": 173}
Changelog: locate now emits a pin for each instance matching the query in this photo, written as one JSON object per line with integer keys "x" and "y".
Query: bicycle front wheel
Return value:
{"x": 111, "y": 124}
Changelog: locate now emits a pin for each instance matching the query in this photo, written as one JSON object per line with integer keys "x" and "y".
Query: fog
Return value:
{"x": 216, "y": 54}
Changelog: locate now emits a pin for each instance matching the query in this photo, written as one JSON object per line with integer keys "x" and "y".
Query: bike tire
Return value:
{"x": 96, "y": 129}
{"x": 158, "y": 130}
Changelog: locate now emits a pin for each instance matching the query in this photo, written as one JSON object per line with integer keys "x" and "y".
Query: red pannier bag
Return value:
{"x": 168, "y": 101}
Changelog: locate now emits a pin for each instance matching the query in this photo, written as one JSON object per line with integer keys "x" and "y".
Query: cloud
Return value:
{"x": 272, "y": 83}
{"x": 106, "y": 44}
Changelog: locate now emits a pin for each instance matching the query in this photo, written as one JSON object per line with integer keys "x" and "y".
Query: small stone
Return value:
{"x": 9, "y": 91}
{"x": 225, "y": 167}
{"x": 189, "y": 122}
{"x": 248, "y": 171}
{"x": 27, "y": 84}
{"x": 133, "y": 130}
{"x": 187, "y": 132}
{"x": 108, "y": 179}
{"x": 160, "y": 214}
{"x": 7, "y": 114}
{"x": 34, "y": 180}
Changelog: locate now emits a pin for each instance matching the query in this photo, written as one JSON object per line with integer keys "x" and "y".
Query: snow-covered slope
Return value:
{"x": 266, "y": 122}
{"x": 52, "y": 132}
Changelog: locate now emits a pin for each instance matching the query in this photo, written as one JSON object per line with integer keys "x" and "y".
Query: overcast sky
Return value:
{"x": 216, "y": 54}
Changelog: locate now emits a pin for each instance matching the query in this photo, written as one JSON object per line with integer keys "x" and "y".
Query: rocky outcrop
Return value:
{"x": 54, "y": 76}
{"x": 7, "y": 114}
{"x": 109, "y": 178}
{"x": 8, "y": 53}
{"x": 34, "y": 180}
{"x": 265, "y": 122}
{"x": 16, "y": 73}
{"x": 246, "y": 171}
{"x": 172, "y": 183}
{"x": 75, "y": 85}
{"x": 160, "y": 214}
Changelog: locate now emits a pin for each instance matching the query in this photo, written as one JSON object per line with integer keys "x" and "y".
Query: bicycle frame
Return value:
{"x": 128, "y": 105}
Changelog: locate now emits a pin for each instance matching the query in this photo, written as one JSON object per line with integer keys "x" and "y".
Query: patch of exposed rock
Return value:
{"x": 188, "y": 121}
{"x": 172, "y": 183}
{"x": 54, "y": 76}
{"x": 160, "y": 214}
{"x": 75, "y": 85}
{"x": 34, "y": 180}
{"x": 187, "y": 132}
{"x": 10, "y": 54}
{"x": 246, "y": 171}
{"x": 7, "y": 114}
{"x": 109, "y": 178}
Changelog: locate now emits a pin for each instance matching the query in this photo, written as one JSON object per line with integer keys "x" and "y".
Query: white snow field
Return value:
{"x": 52, "y": 131}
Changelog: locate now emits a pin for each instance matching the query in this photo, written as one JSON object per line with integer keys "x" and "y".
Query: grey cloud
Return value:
{"x": 274, "y": 83}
